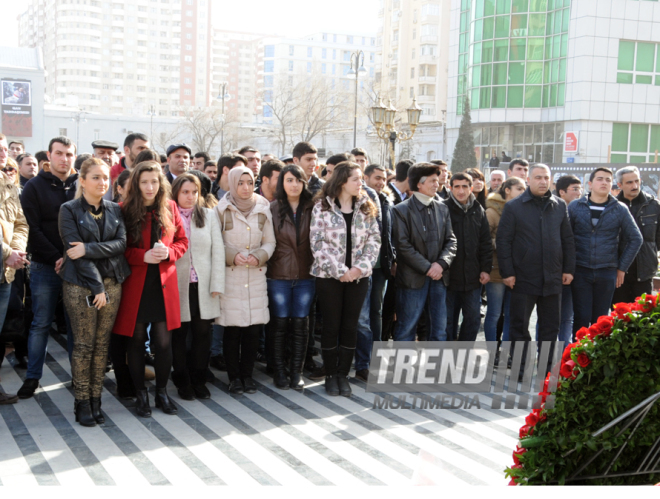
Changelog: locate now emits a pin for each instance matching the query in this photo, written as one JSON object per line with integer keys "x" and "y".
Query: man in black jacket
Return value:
{"x": 473, "y": 262}
{"x": 536, "y": 254}
{"x": 370, "y": 323}
{"x": 425, "y": 247}
{"x": 305, "y": 155}
{"x": 645, "y": 209}
{"x": 41, "y": 200}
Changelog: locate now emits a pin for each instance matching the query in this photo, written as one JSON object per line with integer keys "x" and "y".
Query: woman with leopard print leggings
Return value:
{"x": 94, "y": 236}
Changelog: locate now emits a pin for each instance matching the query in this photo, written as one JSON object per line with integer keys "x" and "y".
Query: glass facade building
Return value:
{"x": 512, "y": 53}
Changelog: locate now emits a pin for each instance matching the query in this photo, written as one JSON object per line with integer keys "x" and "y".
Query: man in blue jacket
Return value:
{"x": 601, "y": 225}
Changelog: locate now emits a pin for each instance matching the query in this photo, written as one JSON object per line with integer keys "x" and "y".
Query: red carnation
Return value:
{"x": 513, "y": 482}
{"x": 532, "y": 418}
{"x": 567, "y": 369}
{"x": 582, "y": 333}
{"x": 525, "y": 431}
{"x": 583, "y": 360}
{"x": 622, "y": 310}
{"x": 517, "y": 454}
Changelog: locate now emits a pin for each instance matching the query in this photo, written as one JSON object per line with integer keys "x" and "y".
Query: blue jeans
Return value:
{"x": 370, "y": 323}
{"x": 410, "y": 305}
{"x": 592, "y": 295}
{"x": 5, "y": 294}
{"x": 470, "y": 303}
{"x": 46, "y": 287}
{"x": 290, "y": 298}
{"x": 216, "y": 340}
{"x": 499, "y": 299}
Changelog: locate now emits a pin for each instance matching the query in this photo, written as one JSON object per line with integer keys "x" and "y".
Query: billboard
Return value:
{"x": 16, "y": 107}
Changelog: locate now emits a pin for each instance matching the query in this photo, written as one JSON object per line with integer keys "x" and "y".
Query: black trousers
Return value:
{"x": 548, "y": 309}
{"x": 631, "y": 289}
{"x": 341, "y": 303}
{"x": 240, "y": 348}
{"x": 185, "y": 362}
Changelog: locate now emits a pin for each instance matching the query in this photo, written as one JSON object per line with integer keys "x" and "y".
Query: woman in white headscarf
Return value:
{"x": 247, "y": 231}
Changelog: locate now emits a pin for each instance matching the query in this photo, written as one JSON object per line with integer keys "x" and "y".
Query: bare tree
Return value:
{"x": 205, "y": 125}
{"x": 164, "y": 136}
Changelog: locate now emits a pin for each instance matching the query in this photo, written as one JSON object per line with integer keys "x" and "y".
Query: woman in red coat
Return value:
{"x": 156, "y": 238}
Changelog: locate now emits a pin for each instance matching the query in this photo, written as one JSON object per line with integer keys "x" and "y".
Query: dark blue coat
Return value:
{"x": 535, "y": 245}
{"x": 598, "y": 247}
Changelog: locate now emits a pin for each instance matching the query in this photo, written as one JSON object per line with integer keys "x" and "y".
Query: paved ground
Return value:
{"x": 272, "y": 437}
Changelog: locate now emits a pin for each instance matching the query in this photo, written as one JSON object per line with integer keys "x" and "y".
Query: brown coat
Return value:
{"x": 494, "y": 207}
{"x": 14, "y": 226}
{"x": 293, "y": 258}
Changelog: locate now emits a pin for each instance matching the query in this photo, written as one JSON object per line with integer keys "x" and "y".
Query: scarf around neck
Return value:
{"x": 245, "y": 206}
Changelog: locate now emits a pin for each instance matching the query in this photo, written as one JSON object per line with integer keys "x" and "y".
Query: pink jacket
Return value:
{"x": 328, "y": 240}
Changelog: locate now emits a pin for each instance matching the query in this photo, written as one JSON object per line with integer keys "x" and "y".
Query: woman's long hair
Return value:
{"x": 508, "y": 184}
{"x": 198, "y": 212}
{"x": 134, "y": 209}
{"x": 475, "y": 173}
{"x": 333, "y": 187}
{"x": 87, "y": 165}
{"x": 283, "y": 199}
{"x": 17, "y": 176}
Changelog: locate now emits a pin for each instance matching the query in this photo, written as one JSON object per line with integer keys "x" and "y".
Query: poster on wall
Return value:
{"x": 16, "y": 107}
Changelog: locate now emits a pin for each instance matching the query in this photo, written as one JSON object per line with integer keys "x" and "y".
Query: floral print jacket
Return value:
{"x": 328, "y": 240}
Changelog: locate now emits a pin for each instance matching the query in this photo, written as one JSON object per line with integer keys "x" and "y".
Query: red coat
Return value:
{"x": 133, "y": 285}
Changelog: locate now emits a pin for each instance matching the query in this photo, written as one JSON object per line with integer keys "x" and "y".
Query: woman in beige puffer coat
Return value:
{"x": 247, "y": 231}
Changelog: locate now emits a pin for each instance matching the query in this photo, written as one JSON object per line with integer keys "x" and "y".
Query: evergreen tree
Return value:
{"x": 464, "y": 156}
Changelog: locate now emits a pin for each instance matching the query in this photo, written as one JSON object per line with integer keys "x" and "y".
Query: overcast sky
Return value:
{"x": 292, "y": 18}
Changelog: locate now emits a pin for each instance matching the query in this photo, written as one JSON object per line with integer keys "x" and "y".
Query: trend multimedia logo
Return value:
{"x": 461, "y": 375}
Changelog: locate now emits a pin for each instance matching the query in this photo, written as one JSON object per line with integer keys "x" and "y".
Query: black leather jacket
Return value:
{"x": 647, "y": 218}
{"x": 103, "y": 256}
{"x": 418, "y": 246}
{"x": 387, "y": 253}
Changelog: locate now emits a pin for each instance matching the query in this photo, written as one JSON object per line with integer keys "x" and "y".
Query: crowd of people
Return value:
{"x": 183, "y": 262}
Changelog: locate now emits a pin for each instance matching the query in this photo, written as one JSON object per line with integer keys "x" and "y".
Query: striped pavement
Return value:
{"x": 273, "y": 437}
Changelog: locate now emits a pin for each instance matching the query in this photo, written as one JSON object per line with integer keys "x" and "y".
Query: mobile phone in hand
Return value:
{"x": 90, "y": 299}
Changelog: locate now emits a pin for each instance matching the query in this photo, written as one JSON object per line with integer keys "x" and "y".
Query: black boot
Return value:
{"x": 279, "y": 330}
{"x": 198, "y": 379}
{"x": 299, "y": 339}
{"x": 83, "y": 412}
{"x": 343, "y": 367}
{"x": 142, "y": 404}
{"x": 330, "y": 364}
{"x": 95, "y": 402}
{"x": 163, "y": 402}
{"x": 125, "y": 386}
{"x": 181, "y": 380}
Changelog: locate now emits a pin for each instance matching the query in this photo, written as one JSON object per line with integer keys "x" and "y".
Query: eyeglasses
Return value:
{"x": 10, "y": 169}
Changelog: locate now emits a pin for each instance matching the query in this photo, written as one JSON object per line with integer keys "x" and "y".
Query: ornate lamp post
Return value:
{"x": 383, "y": 117}
{"x": 78, "y": 116}
{"x": 357, "y": 68}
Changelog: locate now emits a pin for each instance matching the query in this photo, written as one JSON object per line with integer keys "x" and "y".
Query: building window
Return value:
{"x": 323, "y": 69}
{"x": 309, "y": 67}
{"x": 290, "y": 65}
{"x": 269, "y": 50}
{"x": 269, "y": 66}
{"x": 634, "y": 143}
{"x": 291, "y": 49}
{"x": 637, "y": 63}
{"x": 309, "y": 51}
{"x": 412, "y": 72}
{"x": 324, "y": 53}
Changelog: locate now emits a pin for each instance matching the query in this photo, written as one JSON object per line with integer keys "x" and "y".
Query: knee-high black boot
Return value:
{"x": 280, "y": 327}
{"x": 299, "y": 338}
{"x": 343, "y": 368}
{"x": 330, "y": 364}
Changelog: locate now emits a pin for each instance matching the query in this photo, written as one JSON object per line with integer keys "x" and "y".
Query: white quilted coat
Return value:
{"x": 245, "y": 300}
{"x": 208, "y": 254}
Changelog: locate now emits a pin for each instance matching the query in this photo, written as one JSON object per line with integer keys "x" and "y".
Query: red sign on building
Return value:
{"x": 570, "y": 142}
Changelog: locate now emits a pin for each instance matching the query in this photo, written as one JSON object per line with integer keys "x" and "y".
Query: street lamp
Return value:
{"x": 357, "y": 68}
{"x": 151, "y": 113}
{"x": 77, "y": 116}
{"x": 383, "y": 117}
{"x": 223, "y": 96}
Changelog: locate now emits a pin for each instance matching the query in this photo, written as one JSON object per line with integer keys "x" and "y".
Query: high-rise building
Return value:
{"x": 125, "y": 56}
{"x": 556, "y": 81}
{"x": 237, "y": 60}
{"x": 412, "y": 47}
{"x": 321, "y": 55}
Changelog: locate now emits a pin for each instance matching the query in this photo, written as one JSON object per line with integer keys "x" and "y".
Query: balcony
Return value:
{"x": 427, "y": 79}
{"x": 425, "y": 98}
{"x": 428, "y": 39}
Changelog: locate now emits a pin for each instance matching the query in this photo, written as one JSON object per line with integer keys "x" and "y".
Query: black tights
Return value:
{"x": 161, "y": 348}
{"x": 198, "y": 357}
{"x": 240, "y": 348}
